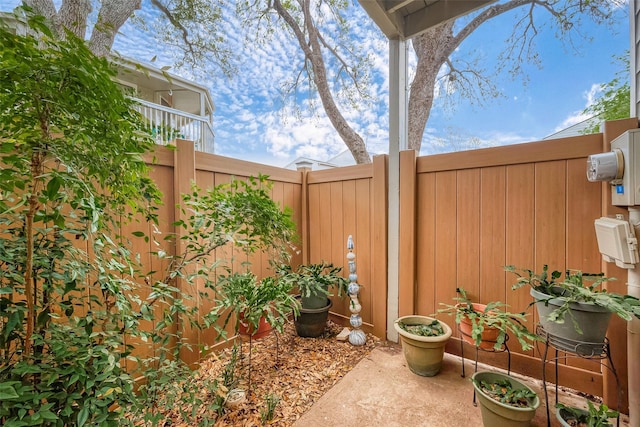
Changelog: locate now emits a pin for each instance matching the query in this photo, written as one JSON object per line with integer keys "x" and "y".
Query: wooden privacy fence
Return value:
{"x": 466, "y": 215}
{"x": 463, "y": 216}
{"x": 329, "y": 205}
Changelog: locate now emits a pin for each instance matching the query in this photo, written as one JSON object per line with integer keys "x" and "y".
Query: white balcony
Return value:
{"x": 168, "y": 124}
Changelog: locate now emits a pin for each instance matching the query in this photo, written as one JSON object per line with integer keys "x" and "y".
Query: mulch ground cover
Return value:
{"x": 296, "y": 371}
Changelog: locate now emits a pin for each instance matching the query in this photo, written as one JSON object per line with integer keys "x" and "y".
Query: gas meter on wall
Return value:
{"x": 619, "y": 168}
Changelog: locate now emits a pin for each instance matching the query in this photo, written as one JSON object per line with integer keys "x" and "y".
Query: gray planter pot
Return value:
{"x": 423, "y": 354}
{"x": 592, "y": 319}
{"x": 498, "y": 414}
{"x": 314, "y": 301}
{"x": 311, "y": 322}
{"x": 563, "y": 415}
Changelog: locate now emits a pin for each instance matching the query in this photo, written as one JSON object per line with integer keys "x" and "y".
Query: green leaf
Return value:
{"x": 53, "y": 186}
{"x": 7, "y": 392}
{"x": 83, "y": 416}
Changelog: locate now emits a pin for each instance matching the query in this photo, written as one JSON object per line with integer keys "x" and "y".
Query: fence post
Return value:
{"x": 184, "y": 174}
{"x": 379, "y": 255}
{"x": 407, "y": 250}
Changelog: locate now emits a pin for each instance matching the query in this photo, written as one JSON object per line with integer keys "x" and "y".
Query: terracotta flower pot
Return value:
{"x": 264, "y": 328}
{"x": 489, "y": 335}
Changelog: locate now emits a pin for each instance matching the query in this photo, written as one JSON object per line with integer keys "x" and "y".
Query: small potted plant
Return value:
{"x": 314, "y": 282}
{"x": 580, "y": 298}
{"x": 504, "y": 401}
{"x": 594, "y": 416}
{"x": 257, "y": 306}
{"x": 487, "y": 325}
{"x": 423, "y": 339}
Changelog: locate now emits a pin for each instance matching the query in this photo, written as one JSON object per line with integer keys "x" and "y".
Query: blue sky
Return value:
{"x": 251, "y": 122}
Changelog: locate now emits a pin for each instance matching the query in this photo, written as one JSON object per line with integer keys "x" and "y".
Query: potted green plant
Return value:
{"x": 594, "y": 416}
{"x": 587, "y": 305}
{"x": 504, "y": 401}
{"x": 314, "y": 282}
{"x": 257, "y": 306}
{"x": 487, "y": 325}
{"x": 423, "y": 339}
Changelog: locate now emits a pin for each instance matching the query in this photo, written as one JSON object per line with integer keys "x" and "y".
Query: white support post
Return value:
{"x": 397, "y": 141}
{"x": 633, "y": 333}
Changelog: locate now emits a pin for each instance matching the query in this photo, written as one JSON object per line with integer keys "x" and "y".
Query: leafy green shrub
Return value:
{"x": 62, "y": 315}
{"x": 433, "y": 329}
{"x": 71, "y": 150}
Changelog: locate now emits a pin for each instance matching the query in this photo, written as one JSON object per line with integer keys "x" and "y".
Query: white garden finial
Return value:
{"x": 356, "y": 336}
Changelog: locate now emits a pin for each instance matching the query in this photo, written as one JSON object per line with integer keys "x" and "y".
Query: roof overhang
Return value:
{"x": 404, "y": 19}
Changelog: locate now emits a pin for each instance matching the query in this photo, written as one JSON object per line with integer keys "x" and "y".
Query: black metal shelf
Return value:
{"x": 596, "y": 351}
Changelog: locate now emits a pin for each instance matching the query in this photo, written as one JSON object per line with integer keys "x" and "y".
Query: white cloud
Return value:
{"x": 576, "y": 117}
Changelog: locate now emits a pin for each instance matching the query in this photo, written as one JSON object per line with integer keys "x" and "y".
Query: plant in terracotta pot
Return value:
{"x": 256, "y": 305}
{"x": 504, "y": 401}
{"x": 487, "y": 325}
{"x": 579, "y": 297}
{"x": 423, "y": 339}
{"x": 314, "y": 282}
{"x": 594, "y": 416}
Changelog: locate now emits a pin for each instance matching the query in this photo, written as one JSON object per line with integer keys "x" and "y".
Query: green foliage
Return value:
{"x": 240, "y": 213}
{"x": 432, "y": 329}
{"x": 504, "y": 392}
{"x": 240, "y": 295}
{"x": 172, "y": 386}
{"x": 615, "y": 100}
{"x": 574, "y": 289}
{"x": 73, "y": 174}
{"x": 493, "y": 316}
{"x": 316, "y": 279}
{"x": 71, "y": 148}
{"x": 593, "y": 417}
{"x": 271, "y": 401}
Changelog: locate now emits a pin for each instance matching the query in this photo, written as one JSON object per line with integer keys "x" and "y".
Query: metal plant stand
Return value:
{"x": 576, "y": 349}
{"x": 250, "y": 337}
{"x": 504, "y": 348}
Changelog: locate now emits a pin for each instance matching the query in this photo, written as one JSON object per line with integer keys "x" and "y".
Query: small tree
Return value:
{"x": 72, "y": 171}
{"x": 615, "y": 99}
{"x": 71, "y": 149}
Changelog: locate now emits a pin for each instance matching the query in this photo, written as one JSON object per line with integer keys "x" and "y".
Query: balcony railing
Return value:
{"x": 168, "y": 124}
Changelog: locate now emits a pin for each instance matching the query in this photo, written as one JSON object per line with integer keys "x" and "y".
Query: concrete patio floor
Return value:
{"x": 382, "y": 391}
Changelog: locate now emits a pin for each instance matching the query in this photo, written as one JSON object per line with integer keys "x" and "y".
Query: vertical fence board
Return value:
{"x": 350, "y": 217}
{"x": 492, "y": 234}
{"x": 426, "y": 244}
{"x": 550, "y": 214}
{"x": 520, "y": 232}
{"x": 446, "y": 240}
{"x": 362, "y": 242}
{"x": 468, "y": 233}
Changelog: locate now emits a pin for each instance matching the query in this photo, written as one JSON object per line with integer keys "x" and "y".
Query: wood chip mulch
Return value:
{"x": 298, "y": 371}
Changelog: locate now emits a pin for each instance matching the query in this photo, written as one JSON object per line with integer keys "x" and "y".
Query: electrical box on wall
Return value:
{"x": 617, "y": 241}
{"x": 620, "y": 168}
